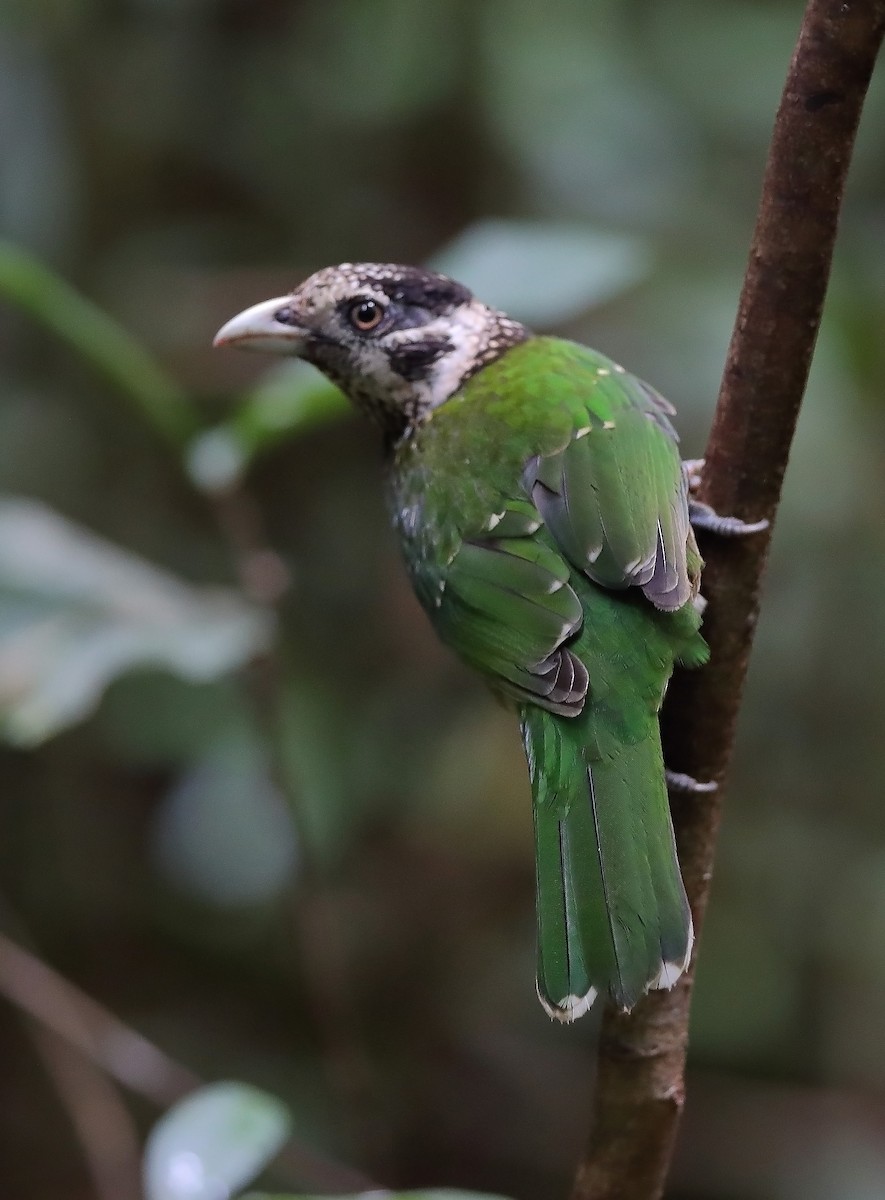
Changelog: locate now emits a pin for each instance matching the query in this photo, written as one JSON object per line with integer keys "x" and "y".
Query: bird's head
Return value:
{"x": 398, "y": 341}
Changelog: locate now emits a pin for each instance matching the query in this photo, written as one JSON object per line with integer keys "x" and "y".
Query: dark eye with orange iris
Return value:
{"x": 366, "y": 315}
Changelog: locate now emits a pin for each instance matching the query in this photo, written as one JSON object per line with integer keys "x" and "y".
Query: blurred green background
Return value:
{"x": 248, "y": 803}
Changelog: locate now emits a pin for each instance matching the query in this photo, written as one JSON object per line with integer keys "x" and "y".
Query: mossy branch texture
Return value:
{"x": 640, "y": 1084}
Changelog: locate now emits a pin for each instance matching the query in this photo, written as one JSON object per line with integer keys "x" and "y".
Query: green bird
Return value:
{"x": 544, "y": 517}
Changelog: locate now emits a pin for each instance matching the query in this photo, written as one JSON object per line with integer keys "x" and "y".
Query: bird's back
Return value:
{"x": 452, "y": 479}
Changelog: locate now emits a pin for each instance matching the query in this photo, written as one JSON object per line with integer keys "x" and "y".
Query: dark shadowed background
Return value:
{"x": 314, "y": 872}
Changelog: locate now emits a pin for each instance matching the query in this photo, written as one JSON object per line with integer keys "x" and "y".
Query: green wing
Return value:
{"x": 604, "y": 495}
{"x": 614, "y": 497}
{"x": 508, "y": 609}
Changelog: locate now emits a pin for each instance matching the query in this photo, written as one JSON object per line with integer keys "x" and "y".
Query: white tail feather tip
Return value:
{"x": 670, "y": 971}
{"x": 569, "y": 1008}
{"x": 666, "y": 977}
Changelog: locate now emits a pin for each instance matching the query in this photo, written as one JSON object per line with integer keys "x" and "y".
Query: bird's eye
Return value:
{"x": 366, "y": 315}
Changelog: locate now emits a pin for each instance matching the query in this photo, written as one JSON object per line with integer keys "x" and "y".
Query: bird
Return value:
{"x": 545, "y": 521}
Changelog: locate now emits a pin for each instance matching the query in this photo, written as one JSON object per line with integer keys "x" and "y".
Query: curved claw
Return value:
{"x": 677, "y": 781}
{"x": 702, "y": 516}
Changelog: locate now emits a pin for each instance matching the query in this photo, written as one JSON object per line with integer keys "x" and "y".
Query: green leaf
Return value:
{"x": 77, "y": 611}
{"x": 290, "y": 399}
{"x": 213, "y": 1143}
{"x": 543, "y": 272}
{"x": 99, "y": 340}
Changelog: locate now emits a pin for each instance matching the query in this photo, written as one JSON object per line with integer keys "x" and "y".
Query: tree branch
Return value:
{"x": 639, "y": 1094}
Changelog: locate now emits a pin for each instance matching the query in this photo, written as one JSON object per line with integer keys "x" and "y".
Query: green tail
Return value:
{"x": 612, "y": 912}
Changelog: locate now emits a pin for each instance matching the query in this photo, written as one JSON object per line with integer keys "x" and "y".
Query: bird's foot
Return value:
{"x": 702, "y": 516}
{"x": 678, "y": 781}
{"x": 693, "y": 469}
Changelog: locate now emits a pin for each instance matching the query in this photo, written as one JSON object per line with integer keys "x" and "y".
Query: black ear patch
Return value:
{"x": 413, "y": 360}
{"x": 422, "y": 289}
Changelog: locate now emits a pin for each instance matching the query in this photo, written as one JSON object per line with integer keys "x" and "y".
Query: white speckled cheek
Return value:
{"x": 471, "y": 335}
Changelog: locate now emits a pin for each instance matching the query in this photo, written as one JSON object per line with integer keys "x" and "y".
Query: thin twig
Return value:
{"x": 640, "y": 1082}
{"x": 131, "y": 1059}
{"x": 104, "y": 1127}
{"x": 317, "y": 931}
{"x": 35, "y": 988}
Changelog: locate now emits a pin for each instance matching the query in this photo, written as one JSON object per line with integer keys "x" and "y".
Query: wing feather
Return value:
{"x": 509, "y": 610}
{"x": 615, "y": 498}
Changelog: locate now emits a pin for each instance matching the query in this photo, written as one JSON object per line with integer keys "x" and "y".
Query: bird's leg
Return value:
{"x": 677, "y": 781}
{"x": 693, "y": 470}
{"x": 702, "y": 516}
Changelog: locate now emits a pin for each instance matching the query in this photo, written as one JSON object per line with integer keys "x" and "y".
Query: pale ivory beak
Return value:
{"x": 257, "y": 328}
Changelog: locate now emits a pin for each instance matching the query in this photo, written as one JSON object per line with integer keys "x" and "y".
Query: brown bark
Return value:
{"x": 640, "y": 1086}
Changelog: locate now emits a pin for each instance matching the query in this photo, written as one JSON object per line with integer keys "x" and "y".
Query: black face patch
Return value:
{"x": 414, "y": 360}
{"x": 415, "y": 288}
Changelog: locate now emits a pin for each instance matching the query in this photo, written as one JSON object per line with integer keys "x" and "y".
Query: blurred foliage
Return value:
{"x": 317, "y": 877}
{"x": 76, "y": 612}
{"x": 212, "y": 1143}
{"x": 97, "y": 339}
{"x": 424, "y": 1194}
